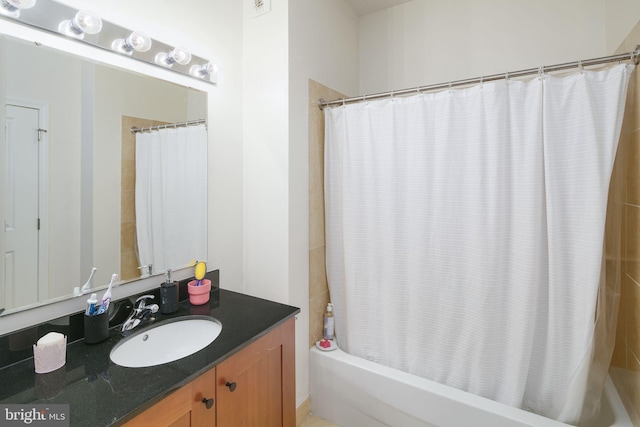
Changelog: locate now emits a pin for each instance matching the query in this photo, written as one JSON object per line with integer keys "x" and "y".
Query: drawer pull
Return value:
{"x": 232, "y": 386}
{"x": 208, "y": 402}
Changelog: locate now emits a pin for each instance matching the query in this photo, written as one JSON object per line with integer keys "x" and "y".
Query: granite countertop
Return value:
{"x": 101, "y": 393}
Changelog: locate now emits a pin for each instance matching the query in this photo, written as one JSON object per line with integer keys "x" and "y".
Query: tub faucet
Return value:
{"x": 141, "y": 312}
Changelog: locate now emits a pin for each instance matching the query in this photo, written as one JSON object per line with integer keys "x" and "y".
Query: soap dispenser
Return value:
{"x": 168, "y": 295}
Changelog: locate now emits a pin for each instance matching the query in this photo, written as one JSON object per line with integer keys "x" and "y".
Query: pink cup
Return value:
{"x": 199, "y": 295}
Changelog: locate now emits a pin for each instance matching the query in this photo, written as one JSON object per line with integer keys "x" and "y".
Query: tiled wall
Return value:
{"x": 128, "y": 253}
{"x": 318, "y": 290}
{"x": 625, "y": 365}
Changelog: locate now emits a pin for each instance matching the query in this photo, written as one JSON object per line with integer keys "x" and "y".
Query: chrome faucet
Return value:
{"x": 141, "y": 311}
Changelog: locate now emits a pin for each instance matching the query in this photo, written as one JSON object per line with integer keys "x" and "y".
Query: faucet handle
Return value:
{"x": 142, "y": 301}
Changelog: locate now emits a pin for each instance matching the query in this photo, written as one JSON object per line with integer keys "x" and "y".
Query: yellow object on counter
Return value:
{"x": 201, "y": 269}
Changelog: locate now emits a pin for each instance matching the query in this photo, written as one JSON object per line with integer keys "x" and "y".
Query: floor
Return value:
{"x": 312, "y": 421}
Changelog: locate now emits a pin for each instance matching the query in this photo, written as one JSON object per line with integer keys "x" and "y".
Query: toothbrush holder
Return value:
{"x": 96, "y": 328}
{"x": 199, "y": 295}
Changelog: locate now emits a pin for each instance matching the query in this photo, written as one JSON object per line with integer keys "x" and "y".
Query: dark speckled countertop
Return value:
{"x": 101, "y": 393}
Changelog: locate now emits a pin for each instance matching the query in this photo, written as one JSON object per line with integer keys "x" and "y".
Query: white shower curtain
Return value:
{"x": 171, "y": 196}
{"x": 464, "y": 232}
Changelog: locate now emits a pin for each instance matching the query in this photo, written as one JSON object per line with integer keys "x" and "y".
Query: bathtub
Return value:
{"x": 353, "y": 392}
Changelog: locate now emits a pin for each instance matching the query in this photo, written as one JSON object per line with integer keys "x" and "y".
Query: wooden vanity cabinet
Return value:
{"x": 256, "y": 386}
{"x": 184, "y": 407}
{"x": 253, "y": 388}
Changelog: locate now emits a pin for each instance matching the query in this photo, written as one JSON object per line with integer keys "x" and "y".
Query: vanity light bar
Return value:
{"x": 89, "y": 28}
{"x": 12, "y": 8}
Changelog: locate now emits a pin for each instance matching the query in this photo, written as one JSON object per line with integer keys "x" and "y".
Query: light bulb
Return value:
{"x": 12, "y": 8}
{"x": 202, "y": 71}
{"x": 139, "y": 41}
{"x": 180, "y": 56}
{"x": 176, "y": 56}
{"x": 84, "y": 22}
{"x": 136, "y": 41}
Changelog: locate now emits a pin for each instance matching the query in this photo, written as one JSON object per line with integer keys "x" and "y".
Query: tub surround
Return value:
{"x": 101, "y": 393}
{"x": 318, "y": 287}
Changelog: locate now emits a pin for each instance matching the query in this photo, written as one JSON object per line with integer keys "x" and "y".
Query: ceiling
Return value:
{"x": 363, "y": 7}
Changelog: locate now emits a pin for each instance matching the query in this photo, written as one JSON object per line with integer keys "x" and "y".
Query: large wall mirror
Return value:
{"x": 73, "y": 173}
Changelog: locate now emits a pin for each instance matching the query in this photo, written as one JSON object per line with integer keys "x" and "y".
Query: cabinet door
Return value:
{"x": 204, "y": 387}
{"x": 172, "y": 411}
{"x": 256, "y": 387}
{"x": 184, "y": 407}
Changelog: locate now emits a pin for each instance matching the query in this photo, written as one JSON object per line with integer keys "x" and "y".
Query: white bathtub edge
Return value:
{"x": 509, "y": 416}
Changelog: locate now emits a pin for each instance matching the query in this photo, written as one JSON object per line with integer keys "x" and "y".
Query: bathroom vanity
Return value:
{"x": 245, "y": 377}
{"x": 254, "y": 387}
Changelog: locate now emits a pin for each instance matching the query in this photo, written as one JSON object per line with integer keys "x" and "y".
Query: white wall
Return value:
{"x": 265, "y": 77}
{"x": 323, "y": 46}
{"x": 431, "y": 41}
{"x": 621, "y": 17}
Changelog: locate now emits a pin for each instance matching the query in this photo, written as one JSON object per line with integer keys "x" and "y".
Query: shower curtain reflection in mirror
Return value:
{"x": 171, "y": 202}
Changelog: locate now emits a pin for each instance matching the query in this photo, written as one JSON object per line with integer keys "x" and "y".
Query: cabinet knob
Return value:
{"x": 232, "y": 386}
{"x": 208, "y": 402}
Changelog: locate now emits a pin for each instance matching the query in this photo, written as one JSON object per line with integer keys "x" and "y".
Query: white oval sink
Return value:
{"x": 168, "y": 341}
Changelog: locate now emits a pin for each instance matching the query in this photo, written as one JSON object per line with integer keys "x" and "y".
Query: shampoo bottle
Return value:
{"x": 329, "y": 326}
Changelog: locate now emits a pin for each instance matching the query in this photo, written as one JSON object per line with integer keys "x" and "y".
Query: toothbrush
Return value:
{"x": 201, "y": 269}
{"x": 87, "y": 286}
{"x": 106, "y": 299}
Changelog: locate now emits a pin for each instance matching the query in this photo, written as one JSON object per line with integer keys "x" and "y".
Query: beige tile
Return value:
{"x": 632, "y": 166}
{"x": 633, "y": 95}
{"x": 630, "y": 122}
{"x": 318, "y": 293}
{"x": 302, "y": 411}
{"x": 128, "y": 208}
{"x": 626, "y": 286}
{"x": 632, "y": 315}
{"x": 129, "y": 266}
{"x": 128, "y": 237}
{"x": 632, "y": 241}
{"x": 633, "y": 388}
{"x": 316, "y": 198}
{"x": 128, "y": 175}
{"x": 317, "y": 272}
{"x": 316, "y": 161}
{"x": 621, "y": 326}
{"x": 317, "y": 307}
{"x": 313, "y": 421}
{"x": 128, "y": 139}
{"x": 618, "y": 359}
{"x": 316, "y": 202}
{"x": 614, "y": 227}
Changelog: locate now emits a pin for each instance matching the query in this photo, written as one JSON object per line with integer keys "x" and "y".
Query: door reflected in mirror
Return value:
{"x": 68, "y": 178}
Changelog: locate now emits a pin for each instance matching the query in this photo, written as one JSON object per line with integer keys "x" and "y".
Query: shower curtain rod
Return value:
{"x": 630, "y": 56}
{"x": 169, "y": 125}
